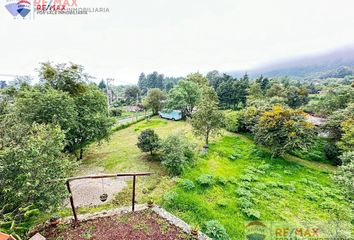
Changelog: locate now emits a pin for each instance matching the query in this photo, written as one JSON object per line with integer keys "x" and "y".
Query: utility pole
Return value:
{"x": 108, "y": 80}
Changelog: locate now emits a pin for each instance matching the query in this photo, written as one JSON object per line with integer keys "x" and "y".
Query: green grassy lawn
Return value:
{"x": 120, "y": 155}
{"x": 248, "y": 184}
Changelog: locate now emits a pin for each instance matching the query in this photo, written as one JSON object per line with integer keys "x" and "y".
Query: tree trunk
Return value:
{"x": 206, "y": 141}
{"x": 81, "y": 153}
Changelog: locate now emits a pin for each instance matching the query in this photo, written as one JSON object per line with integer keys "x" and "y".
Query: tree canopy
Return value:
{"x": 184, "y": 96}
{"x": 283, "y": 129}
{"x": 208, "y": 119}
{"x": 155, "y": 100}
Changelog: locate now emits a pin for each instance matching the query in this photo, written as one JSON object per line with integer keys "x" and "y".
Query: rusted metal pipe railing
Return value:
{"x": 134, "y": 175}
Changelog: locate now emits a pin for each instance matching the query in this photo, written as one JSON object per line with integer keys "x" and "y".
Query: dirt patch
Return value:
{"x": 87, "y": 192}
{"x": 141, "y": 225}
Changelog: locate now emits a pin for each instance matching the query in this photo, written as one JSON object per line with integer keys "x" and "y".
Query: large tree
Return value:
{"x": 31, "y": 166}
{"x": 47, "y": 105}
{"x": 232, "y": 92}
{"x": 155, "y": 100}
{"x": 214, "y": 78}
{"x": 297, "y": 96}
{"x": 184, "y": 96}
{"x": 198, "y": 79}
{"x": 155, "y": 80}
{"x": 333, "y": 125}
{"x": 69, "y": 78}
{"x": 131, "y": 94}
{"x": 92, "y": 115}
{"x": 283, "y": 130}
{"x": 142, "y": 84}
{"x": 102, "y": 85}
{"x": 208, "y": 119}
{"x": 94, "y": 122}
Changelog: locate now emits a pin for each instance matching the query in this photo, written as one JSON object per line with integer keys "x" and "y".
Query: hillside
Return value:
{"x": 309, "y": 67}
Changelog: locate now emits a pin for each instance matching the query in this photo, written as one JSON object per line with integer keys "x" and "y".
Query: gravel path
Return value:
{"x": 86, "y": 192}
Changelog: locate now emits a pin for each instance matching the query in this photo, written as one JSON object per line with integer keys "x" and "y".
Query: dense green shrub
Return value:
{"x": 222, "y": 203}
{"x": 215, "y": 230}
{"x": 252, "y": 213}
{"x": 345, "y": 174}
{"x": 30, "y": 159}
{"x": 116, "y": 112}
{"x": 332, "y": 153}
{"x": 222, "y": 180}
{"x": 177, "y": 154}
{"x": 187, "y": 184}
{"x": 233, "y": 120}
{"x": 333, "y": 125}
{"x": 206, "y": 180}
{"x": 148, "y": 141}
{"x": 169, "y": 198}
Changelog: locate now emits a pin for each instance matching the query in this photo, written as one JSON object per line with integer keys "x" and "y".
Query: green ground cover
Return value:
{"x": 237, "y": 182}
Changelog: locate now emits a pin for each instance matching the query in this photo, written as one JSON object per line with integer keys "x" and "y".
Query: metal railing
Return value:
{"x": 133, "y": 175}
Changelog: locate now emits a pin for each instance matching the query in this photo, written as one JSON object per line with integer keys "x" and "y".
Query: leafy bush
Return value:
{"x": 252, "y": 213}
{"x": 234, "y": 156}
{"x": 206, "y": 180}
{"x": 245, "y": 203}
{"x": 177, "y": 154}
{"x": 222, "y": 180}
{"x": 17, "y": 224}
{"x": 215, "y": 230}
{"x": 261, "y": 186}
{"x": 222, "y": 203}
{"x": 242, "y": 192}
{"x": 187, "y": 184}
{"x": 30, "y": 158}
{"x": 249, "y": 178}
{"x": 345, "y": 174}
{"x": 148, "y": 141}
{"x": 332, "y": 153}
{"x": 233, "y": 120}
{"x": 264, "y": 167}
{"x": 233, "y": 180}
{"x": 116, "y": 112}
{"x": 169, "y": 197}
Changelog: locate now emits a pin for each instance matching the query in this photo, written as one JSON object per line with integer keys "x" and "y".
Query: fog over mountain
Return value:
{"x": 305, "y": 67}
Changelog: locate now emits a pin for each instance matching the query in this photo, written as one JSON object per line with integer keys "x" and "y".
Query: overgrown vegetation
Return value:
{"x": 238, "y": 182}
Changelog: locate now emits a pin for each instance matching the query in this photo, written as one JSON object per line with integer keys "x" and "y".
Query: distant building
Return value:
{"x": 317, "y": 121}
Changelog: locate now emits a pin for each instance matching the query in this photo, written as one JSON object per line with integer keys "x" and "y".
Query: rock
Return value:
{"x": 38, "y": 236}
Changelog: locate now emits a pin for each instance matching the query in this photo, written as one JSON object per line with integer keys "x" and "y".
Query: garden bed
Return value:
{"x": 145, "y": 224}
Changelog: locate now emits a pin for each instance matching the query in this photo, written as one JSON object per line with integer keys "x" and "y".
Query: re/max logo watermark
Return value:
{"x": 54, "y": 5}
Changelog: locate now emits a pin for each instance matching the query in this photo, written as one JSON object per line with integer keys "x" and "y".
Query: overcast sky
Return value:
{"x": 175, "y": 37}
